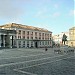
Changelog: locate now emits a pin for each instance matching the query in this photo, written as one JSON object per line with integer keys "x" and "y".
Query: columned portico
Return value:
{"x": 5, "y": 40}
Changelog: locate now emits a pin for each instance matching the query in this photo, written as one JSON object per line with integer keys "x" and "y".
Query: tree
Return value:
{"x": 64, "y": 38}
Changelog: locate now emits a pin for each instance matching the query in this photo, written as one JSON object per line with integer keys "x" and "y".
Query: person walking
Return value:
{"x": 46, "y": 49}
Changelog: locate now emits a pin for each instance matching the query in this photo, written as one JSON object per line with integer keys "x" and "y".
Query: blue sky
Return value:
{"x": 55, "y": 15}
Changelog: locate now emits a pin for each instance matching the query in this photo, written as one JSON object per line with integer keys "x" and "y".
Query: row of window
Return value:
{"x": 40, "y": 43}
{"x": 31, "y": 33}
{"x": 19, "y": 37}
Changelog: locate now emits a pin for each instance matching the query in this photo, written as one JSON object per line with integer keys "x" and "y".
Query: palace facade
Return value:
{"x": 29, "y": 36}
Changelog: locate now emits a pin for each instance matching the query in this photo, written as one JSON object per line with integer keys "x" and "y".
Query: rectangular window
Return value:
{"x": 23, "y": 32}
{"x": 42, "y": 34}
{"x": 42, "y": 42}
{"x": 28, "y": 37}
{"x": 36, "y": 33}
{"x": 31, "y": 33}
{"x": 35, "y": 37}
{"x": 23, "y": 37}
{"x": 43, "y": 38}
{"x": 48, "y": 42}
{"x": 19, "y": 42}
{"x": 18, "y": 37}
{"x": 31, "y": 43}
{"x": 23, "y": 42}
{"x": 31, "y": 37}
{"x": 19, "y": 31}
{"x": 27, "y": 32}
{"x": 50, "y": 35}
{"x": 27, "y": 43}
{"x": 39, "y": 34}
{"x": 39, "y": 37}
{"x": 45, "y": 42}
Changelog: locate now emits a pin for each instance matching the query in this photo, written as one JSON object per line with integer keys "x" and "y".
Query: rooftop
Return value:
{"x": 24, "y": 27}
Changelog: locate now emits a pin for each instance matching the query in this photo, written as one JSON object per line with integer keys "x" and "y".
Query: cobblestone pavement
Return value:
{"x": 20, "y": 61}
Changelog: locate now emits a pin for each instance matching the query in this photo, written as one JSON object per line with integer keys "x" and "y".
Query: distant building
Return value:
{"x": 72, "y": 36}
{"x": 58, "y": 38}
{"x": 29, "y": 36}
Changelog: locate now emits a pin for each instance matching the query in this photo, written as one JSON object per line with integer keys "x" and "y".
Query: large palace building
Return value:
{"x": 28, "y": 36}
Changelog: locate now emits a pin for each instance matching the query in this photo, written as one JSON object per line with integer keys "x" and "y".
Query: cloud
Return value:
{"x": 9, "y": 10}
{"x": 41, "y": 13}
{"x": 72, "y": 13}
{"x": 56, "y": 14}
{"x": 56, "y": 6}
{"x": 23, "y": 1}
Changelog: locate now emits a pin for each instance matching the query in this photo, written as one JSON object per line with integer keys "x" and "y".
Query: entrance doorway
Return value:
{"x": 36, "y": 44}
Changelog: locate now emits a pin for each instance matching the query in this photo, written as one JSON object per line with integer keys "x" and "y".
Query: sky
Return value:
{"x": 55, "y": 15}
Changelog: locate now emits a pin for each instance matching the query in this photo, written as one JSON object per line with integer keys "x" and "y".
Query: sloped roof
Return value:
{"x": 23, "y": 26}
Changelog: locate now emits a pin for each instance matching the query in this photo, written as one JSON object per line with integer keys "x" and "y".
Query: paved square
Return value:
{"x": 36, "y": 62}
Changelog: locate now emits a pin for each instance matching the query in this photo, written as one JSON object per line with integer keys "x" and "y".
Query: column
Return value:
{"x": 25, "y": 34}
{"x": 37, "y": 35}
{"x": 33, "y": 35}
{"x": 7, "y": 41}
{"x": 4, "y": 40}
{"x": 0, "y": 40}
{"x": 12, "y": 41}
